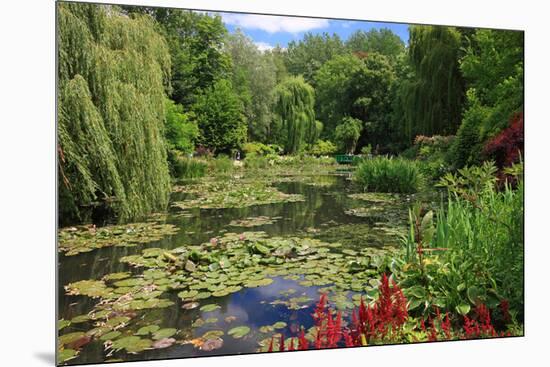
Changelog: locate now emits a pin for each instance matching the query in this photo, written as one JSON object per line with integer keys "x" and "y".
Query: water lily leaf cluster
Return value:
{"x": 254, "y": 221}
{"x": 233, "y": 194}
{"x": 75, "y": 240}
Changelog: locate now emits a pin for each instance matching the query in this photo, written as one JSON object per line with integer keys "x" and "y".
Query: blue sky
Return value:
{"x": 268, "y": 30}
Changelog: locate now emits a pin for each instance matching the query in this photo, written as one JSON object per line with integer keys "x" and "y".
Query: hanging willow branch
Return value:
{"x": 113, "y": 75}
{"x": 294, "y": 106}
{"x": 432, "y": 100}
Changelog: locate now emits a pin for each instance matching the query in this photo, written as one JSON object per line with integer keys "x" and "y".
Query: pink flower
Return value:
{"x": 241, "y": 237}
{"x": 214, "y": 241}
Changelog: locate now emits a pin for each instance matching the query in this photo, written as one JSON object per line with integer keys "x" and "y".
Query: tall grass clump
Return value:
{"x": 257, "y": 162}
{"x": 471, "y": 251}
{"x": 183, "y": 167}
{"x": 222, "y": 165}
{"x": 383, "y": 174}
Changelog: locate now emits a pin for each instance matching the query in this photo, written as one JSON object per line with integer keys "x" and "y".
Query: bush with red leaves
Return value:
{"x": 506, "y": 147}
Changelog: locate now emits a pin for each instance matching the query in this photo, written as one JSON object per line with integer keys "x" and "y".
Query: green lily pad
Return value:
{"x": 279, "y": 325}
{"x": 90, "y": 288}
{"x": 110, "y": 336}
{"x": 209, "y": 308}
{"x": 79, "y": 319}
{"x": 164, "y": 333}
{"x": 61, "y": 324}
{"x": 66, "y": 354}
{"x": 146, "y": 330}
{"x": 188, "y": 294}
{"x": 70, "y": 337}
{"x": 239, "y": 331}
{"x": 132, "y": 344}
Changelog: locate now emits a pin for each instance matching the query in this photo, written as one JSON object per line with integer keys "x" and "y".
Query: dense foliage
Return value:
{"x": 220, "y": 118}
{"x": 320, "y": 95}
{"x": 472, "y": 250}
{"x": 113, "y": 75}
{"x": 384, "y": 174}
{"x": 294, "y": 108}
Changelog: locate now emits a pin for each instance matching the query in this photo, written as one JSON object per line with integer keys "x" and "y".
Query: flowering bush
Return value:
{"x": 387, "y": 320}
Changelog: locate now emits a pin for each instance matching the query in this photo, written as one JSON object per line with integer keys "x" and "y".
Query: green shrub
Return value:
{"x": 472, "y": 249}
{"x": 366, "y": 150}
{"x": 322, "y": 147}
{"x": 258, "y": 148}
{"x": 383, "y": 174}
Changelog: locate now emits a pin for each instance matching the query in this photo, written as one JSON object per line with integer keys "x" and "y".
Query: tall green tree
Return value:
{"x": 306, "y": 56}
{"x": 382, "y": 41}
{"x": 254, "y": 77}
{"x": 113, "y": 75}
{"x": 220, "y": 119}
{"x": 357, "y": 87}
{"x": 347, "y": 134}
{"x": 196, "y": 48}
{"x": 294, "y": 108}
{"x": 181, "y": 129}
{"x": 434, "y": 96}
{"x": 493, "y": 68}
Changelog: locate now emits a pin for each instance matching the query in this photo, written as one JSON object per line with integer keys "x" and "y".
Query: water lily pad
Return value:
{"x": 75, "y": 240}
{"x": 209, "y": 308}
{"x": 279, "y": 325}
{"x": 163, "y": 343}
{"x": 164, "y": 333}
{"x": 90, "y": 288}
{"x": 61, "y": 324}
{"x": 239, "y": 331}
{"x": 212, "y": 344}
{"x": 110, "y": 336}
{"x": 118, "y": 321}
{"x": 203, "y": 295}
{"x": 146, "y": 330}
{"x": 211, "y": 320}
{"x": 132, "y": 344}
{"x": 70, "y": 337}
{"x": 190, "y": 305}
{"x": 80, "y": 319}
{"x": 198, "y": 323}
{"x": 258, "y": 283}
{"x": 212, "y": 334}
{"x": 188, "y": 294}
{"x": 116, "y": 276}
{"x": 65, "y": 355}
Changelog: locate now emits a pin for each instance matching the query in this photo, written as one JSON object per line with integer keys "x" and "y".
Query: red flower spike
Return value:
{"x": 270, "y": 348}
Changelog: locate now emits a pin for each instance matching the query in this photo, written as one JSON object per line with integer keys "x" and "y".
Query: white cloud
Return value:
{"x": 264, "y": 46}
{"x": 274, "y": 24}
{"x": 347, "y": 24}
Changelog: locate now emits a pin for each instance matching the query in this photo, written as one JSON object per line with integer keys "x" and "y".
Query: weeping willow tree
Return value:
{"x": 431, "y": 99}
{"x": 294, "y": 109}
{"x": 113, "y": 75}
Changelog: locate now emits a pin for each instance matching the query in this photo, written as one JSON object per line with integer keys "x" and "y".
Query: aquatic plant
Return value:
{"x": 233, "y": 194}
{"x": 75, "y": 240}
{"x": 383, "y": 174}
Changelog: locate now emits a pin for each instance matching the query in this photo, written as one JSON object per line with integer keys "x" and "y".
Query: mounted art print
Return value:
{"x": 234, "y": 183}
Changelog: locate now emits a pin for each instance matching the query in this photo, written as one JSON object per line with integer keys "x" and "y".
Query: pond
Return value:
{"x": 331, "y": 226}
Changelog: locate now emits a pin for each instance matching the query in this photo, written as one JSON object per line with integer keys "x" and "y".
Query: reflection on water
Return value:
{"x": 322, "y": 209}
